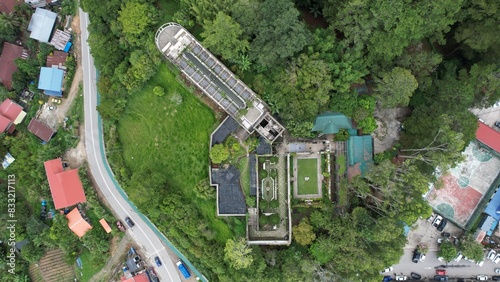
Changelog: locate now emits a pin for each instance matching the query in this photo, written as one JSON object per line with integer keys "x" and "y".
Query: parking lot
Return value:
{"x": 424, "y": 233}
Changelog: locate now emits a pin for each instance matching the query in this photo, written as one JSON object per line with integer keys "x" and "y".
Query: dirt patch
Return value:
{"x": 77, "y": 156}
{"x": 118, "y": 249}
{"x": 389, "y": 126}
{"x": 55, "y": 117}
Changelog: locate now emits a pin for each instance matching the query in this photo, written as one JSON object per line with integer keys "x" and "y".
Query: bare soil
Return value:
{"x": 389, "y": 123}
{"x": 118, "y": 250}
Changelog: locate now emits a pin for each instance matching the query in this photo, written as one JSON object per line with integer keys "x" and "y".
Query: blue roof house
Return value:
{"x": 41, "y": 24}
{"x": 51, "y": 81}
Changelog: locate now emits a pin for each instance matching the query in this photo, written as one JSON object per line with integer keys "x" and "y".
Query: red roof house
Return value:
{"x": 488, "y": 136}
{"x": 65, "y": 186}
{"x": 10, "y": 115}
{"x": 10, "y": 52}
{"x": 57, "y": 59}
{"x": 41, "y": 130}
{"x": 77, "y": 224}
{"x": 140, "y": 277}
{"x": 7, "y": 6}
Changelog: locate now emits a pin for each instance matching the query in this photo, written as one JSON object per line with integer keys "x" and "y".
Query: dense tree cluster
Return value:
{"x": 438, "y": 58}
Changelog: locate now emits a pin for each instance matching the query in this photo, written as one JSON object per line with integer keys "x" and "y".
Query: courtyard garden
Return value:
{"x": 307, "y": 176}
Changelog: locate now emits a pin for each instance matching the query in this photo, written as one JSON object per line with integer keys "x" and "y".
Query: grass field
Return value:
{"x": 244, "y": 176}
{"x": 160, "y": 135}
{"x": 307, "y": 168}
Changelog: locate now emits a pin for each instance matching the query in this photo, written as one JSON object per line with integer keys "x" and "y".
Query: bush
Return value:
{"x": 263, "y": 220}
{"x": 250, "y": 201}
{"x": 219, "y": 153}
{"x": 159, "y": 91}
{"x": 274, "y": 204}
{"x": 273, "y": 173}
{"x": 342, "y": 135}
{"x": 274, "y": 219}
{"x": 262, "y": 174}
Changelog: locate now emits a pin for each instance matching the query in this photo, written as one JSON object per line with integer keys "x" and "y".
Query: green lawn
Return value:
{"x": 89, "y": 269}
{"x": 159, "y": 135}
{"x": 341, "y": 161}
{"x": 307, "y": 168}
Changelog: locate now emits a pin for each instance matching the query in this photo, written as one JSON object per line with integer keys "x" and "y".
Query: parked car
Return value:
{"x": 387, "y": 279}
{"x": 482, "y": 277}
{"x": 56, "y": 101}
{"x": 416, "y": 257}
{"x": 129, "y": 222}
{"x": 446, "y": 234}
{"x": 52, "y": 108}
{"x": 415, "y": 276}
{"x": 120, "y": 226}
{"x": 491, "y": 255}
{"x": 441, "y": 271}
{"x": 437, "y": 221}
{"x": 497, "y": 259}
{"x": 422, "y": 257}
{"x": 158, "y": 261}
{"x": 495, "y": 278}
{"x": 387, "y": 270}
{"x": 497, "y": 270}
{"x": 401, "y": 278}
{"x": 480, "y": 263}
{"x": 441, "y": 278}
{"x": 459, "y": 257}
{"x": 442, "y": 225}
{"x": 497, "y": 124}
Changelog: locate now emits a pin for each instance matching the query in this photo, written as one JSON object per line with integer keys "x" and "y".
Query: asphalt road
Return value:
{"x": 142, "y": 234}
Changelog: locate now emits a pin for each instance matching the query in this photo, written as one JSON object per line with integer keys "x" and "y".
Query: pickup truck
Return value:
{"x": 182, "y": 268}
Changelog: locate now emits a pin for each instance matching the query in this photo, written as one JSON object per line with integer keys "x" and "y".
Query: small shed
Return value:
{"x": 57, "y": 59}
{"x": 60, "y": 39}
{"x": 51, "y": 81}
{"x": 105, "y": 225}
{"x": 360, "y": 152}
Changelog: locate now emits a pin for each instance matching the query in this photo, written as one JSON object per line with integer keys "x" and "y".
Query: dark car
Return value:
{"x": 446, "y": 234}
{"x": 129, "y": 222}
{"x": 496, "y": 278}
{"x": 442, "y": 225}
{"x": 415, "y": 276}
{"x": 497, "y": 123}
{"x": 387, "y": 279}
{"x": 440, "y": 277}
{"x": 158, "y": 261}
{"x": 416, "y": 257}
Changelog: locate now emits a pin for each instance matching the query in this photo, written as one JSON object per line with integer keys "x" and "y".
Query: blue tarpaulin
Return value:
{"x": 67, "y": 47}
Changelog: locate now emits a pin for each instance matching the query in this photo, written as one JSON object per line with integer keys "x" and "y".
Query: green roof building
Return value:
{"x": 331, "y": 123}
{"x": 360, "y": 152}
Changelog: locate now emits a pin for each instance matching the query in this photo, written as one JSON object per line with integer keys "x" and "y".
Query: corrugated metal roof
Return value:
{"x": 65, "y": 186}
{"x": 360, "y": 150}
{"x": 77, "y": 224}
{"x": 488, "y": 136}
{"x": 493, "y": 207}
{"x": 41, "y": 24}
{"x": 331, "y": 123}
{"x": 10, "y": 52}
{"x": 51, "y": 80}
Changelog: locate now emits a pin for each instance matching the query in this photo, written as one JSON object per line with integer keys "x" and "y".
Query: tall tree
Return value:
{"x": 479, "y": 26}
{"x": 303, "y": 233}
{"x": 238, "y": 254}
{"x": 279, "y": 34}
{"x": 223, "y": 36}
{"x": 396, "y": 87}
{"x": 447, "y": 251}
{"x": 134, "y": 18}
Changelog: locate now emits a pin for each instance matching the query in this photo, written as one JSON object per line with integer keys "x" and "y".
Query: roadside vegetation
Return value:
{"x": 437, "y": 58}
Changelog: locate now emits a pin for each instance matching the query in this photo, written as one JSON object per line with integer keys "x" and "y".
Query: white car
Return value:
{"x": 401, "y": 278}
{"x": 497, "y": 259}
{"x": 482, "y": 277}
{"x": 480, "y": 263}
{"x": 387, "y": 270}
{"x": 491, "y": 255}
{"x": 437, "y": 221}
{"x": 497, "y": 270}
{"x": 440, "y": 258}
{"x": 422, "y": 257}
{"x": 459, "y": 257}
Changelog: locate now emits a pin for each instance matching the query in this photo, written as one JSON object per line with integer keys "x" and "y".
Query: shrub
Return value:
{"x": 159, "y": 91}
{"x": 342, "y": 135}
{"x": 274, "y": 204}
{"x": 262, "y": 174}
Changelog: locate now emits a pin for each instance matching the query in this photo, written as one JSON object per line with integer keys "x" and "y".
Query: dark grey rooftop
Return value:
{"x": 230, "y": 197}
{"x": 228, "y": 126}
{"x": 264, "y": 148}
{"x": 252, "y": 160}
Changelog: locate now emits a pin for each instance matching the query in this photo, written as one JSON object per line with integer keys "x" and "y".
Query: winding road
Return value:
{"x": 143, "y": 233}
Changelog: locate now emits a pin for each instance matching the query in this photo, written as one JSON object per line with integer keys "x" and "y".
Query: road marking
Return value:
{"x": 93, "y": 137}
